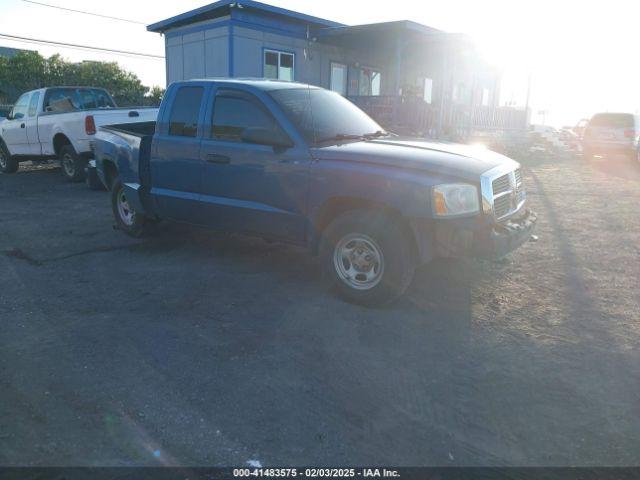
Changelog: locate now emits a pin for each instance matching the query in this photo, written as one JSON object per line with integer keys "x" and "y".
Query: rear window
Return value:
{"x": 612, "y": 120}
{"x": 72, "y": 99}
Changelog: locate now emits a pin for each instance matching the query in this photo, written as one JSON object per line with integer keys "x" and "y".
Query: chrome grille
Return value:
{"x": 504, "y": 191}
{"x": 502, "y": 206}
{"x": 501, "y": 184}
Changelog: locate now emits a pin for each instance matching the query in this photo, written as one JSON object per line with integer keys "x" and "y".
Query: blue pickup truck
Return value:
{"x": 300, "y": 164}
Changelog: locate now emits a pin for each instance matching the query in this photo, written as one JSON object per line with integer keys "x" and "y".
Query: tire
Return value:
{"x": 72, "y": 164}
{"x": 367, "y": 258}
{"x": 8, "y": 164}
{"x": 130, "y": 222}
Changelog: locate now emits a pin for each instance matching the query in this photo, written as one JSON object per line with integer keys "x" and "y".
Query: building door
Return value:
{"x": 251, "y": 187}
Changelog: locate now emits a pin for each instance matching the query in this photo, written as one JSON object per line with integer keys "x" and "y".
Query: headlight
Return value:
{"x": 455, "y": 199}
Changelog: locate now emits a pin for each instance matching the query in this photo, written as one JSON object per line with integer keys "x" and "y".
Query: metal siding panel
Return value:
{"x": 217, "y": 57}
{"x": 175, "y": 64}
{"x": 193, "y": 37}
{"x": 216, "y": 32}
{"x": 248, "y": 33}
{"x": 194, "y": 60}
{"x": 247, "y": 57}
{"x": 172, "y": 41}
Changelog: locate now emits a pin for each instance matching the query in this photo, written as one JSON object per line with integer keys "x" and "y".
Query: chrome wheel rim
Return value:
{"x": 68, "y": 165}
{"x": 358, "y": 261}
{"x": 127, "y": 215}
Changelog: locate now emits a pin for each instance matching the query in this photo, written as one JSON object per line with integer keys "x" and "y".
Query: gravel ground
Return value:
{"x": 193, "y": 348}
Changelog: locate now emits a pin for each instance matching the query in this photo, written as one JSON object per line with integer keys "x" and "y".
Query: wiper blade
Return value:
{"x": 378, "y": 134}
{"x": 341, "y": 137}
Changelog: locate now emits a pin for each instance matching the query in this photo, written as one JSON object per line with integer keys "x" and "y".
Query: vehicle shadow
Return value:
{"x": 440, "y": 291}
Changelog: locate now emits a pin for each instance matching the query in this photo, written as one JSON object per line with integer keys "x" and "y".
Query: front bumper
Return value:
{"x": 494, "y": 241}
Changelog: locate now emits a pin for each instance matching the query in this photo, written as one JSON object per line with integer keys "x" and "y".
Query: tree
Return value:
{"x": 29, "y": 70}
{"x": 154, "y": 97}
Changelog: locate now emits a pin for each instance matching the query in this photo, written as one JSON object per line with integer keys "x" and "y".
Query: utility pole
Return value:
{"x": 526, "y": 105}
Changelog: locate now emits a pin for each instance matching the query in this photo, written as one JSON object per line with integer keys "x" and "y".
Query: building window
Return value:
{"x": 234, "y": 112}
{"x": 427, "y": 94}
{"x": 369, "y": 82}
{"x": 279, "y": 65}
{"x": 183, "y": 121}
{"x": 339, "y": 78}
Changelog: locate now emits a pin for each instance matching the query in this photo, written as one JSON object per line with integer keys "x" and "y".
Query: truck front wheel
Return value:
{"x": 367, "y": 257}
{"x": 8, "y": 164}
{"x": 133, "y": 224}
{"x": 72, "y": 164}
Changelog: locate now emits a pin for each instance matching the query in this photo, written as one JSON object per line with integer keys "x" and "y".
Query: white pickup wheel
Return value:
{"x": 8, "y": 164}
{"x": 72, "y": 164}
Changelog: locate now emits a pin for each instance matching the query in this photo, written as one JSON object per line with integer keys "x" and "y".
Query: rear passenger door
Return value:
{"x": 176, "y": 168}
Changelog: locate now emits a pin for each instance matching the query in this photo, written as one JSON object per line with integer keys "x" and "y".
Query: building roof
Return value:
{"x": 223, "y": 8}
{"x": 379, "y": 35}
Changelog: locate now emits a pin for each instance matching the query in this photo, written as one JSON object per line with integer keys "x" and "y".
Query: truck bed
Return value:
{"x": 138, "y": 129}
{"x": 138, "y": 137}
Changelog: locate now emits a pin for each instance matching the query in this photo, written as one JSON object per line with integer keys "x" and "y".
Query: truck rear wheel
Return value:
{"x": 8, "y": 164}
{"x": 133, "y": 224}
{"x": 72, "y": 164}
{"x": 367, "y": 258}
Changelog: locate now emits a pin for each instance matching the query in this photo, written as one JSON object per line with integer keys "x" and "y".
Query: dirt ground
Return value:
{"x": 199, "y": 349}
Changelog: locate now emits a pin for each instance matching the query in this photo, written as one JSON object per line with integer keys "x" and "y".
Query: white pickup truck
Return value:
{"x": 59, "y": 122}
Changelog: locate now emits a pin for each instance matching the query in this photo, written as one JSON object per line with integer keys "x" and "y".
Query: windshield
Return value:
{"x": 322, "y": 115}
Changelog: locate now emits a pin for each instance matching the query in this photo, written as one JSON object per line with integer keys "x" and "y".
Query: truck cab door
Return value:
{"x": 250, "y": 187}
{"x": 35, "y": 148}
{"x": 14, "y": 129}
{"x": 176, "y": 167}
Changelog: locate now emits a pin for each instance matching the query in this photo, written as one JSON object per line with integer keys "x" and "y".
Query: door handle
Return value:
{"x": 215, "y": 158}
{"x": 22, "y": 125}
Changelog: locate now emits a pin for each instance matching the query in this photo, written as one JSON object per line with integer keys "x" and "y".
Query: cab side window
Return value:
{"x": 21, "y": 107}
{"x": 234, "y": 112}
{"x": 183, "y": 120}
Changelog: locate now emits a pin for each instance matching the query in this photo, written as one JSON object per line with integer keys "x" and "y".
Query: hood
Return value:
{"x": 450, "y": 159}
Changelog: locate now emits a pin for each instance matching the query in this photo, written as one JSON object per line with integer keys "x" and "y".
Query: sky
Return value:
{"x": 580, "y": 54}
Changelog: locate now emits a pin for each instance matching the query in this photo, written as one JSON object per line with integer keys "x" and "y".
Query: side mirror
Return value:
{"x": 266, "y": 136}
